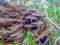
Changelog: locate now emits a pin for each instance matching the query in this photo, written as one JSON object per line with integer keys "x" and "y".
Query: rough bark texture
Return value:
{"x": 12, "y": 22}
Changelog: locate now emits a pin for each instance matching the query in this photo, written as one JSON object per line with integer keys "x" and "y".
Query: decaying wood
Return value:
{"x": 12, "y": 22}
{"x": 46, "y": 32}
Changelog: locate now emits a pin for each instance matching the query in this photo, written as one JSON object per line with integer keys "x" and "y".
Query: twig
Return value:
{"x": 46, "y": 32}
{"x": 55, "y": 25}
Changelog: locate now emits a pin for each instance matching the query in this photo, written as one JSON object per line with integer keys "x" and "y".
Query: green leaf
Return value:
{"x": 50, "y": 12}
{"x": 52, "y": 2}
{"x": 58, "y": 15}
{"x": 56, "y": 34}
{"x": 29, "y": 38}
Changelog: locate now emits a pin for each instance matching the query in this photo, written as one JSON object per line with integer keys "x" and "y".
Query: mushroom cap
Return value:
{"x": 31, "y": 17}
{"x": 36, "y": 14}
{"x": 29, "y": 25}
{"x": 32, "y": 10}
{"x": 38, "y": 22}
{"x": 34, "y": 28}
